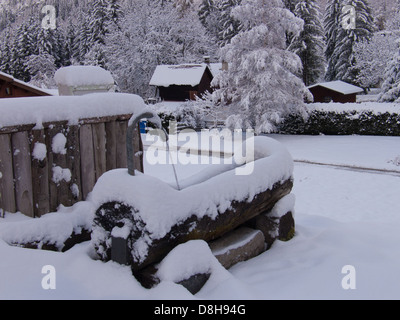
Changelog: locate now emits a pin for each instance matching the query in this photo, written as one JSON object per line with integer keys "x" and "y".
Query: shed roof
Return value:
{"x": 183, "y": 74}
{"x": 339, "y": 86}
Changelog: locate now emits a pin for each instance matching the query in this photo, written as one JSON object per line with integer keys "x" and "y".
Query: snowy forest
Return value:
{"x": 276, "y": 47}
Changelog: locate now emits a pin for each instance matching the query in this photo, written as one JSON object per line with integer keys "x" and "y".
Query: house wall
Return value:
{"x": 176, "y": 93}
{"x": 10, "y": 90}
{"x": 183, "y": 93}
{"x": 320, "y": 94}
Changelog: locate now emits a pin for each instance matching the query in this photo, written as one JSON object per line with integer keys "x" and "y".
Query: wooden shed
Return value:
{"x": 335, "y": 91}
{"x": 181, "y": 82}
{"x": 13, "y": 88}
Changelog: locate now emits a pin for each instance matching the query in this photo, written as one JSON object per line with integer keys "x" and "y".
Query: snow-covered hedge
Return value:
{"x": 381, "y": 119}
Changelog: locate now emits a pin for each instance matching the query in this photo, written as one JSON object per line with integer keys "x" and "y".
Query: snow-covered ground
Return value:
{"x": 344, "y": 217}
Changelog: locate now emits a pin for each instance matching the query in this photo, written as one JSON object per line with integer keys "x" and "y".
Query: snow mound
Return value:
{"x": 54, "y": 228}
{"x": 83, "y": 76}
{"x": 187, "y": 260}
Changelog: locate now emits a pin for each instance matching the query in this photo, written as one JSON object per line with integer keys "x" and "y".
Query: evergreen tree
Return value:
{"x": 210, "y": 17}
{"x": 230, "y": 26}
{"x": 42, "y": 69}
{"x": 23, "y": 47}
{"x": 290, "y": 5}
{"x": 391, "y": 85}
{"x": 332, "y": 25}
{"x": 309, "y": 45}
{"x": 114, "y": 11}
{"x": 98, "y": 22}
{"x": 342, "y": 63}
{"x": 183, "y": 5}
{"x": 82, "y": 42}
{"x": 5, "y": 53}
{"x": 260, "y": 86}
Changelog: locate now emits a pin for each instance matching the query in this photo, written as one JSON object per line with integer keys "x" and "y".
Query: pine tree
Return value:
{"x": 332, "y": 25}
{"x": 114, "y": 11}
{"x": 210, "y": 17}
{"x": 342, "y": 63}
{"x": 183, "y": 5}
{"x": 98, "y": 22}
{"x": 260, "y": 86}
{"x": 5, "y": 53}
{"x": 290, "y": 5}
{"x": 23, "y": 47}
{"x": 391, "y": 85}
{"x": 309, "y": 45}
{"x": 230, "y": 25}
{"x": 42, "y": 69}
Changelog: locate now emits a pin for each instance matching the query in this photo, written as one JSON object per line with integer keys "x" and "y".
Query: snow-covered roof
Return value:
{"x": 77, "y": 76}
{"x": 23, "y": 85}
{"x": 183, "y": 74}
{"x": 179, "y": 75}
{"x": 339, "y": 86}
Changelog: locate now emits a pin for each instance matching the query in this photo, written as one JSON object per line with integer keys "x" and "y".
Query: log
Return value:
{"x": 113, "y": 214}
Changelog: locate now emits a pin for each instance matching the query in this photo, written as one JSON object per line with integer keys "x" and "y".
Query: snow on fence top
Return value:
{"x": 179, "y": 75}
{"x": 374, "y": 107}
{"x": 83, "y": 76}
{"x": 39, "y": 110}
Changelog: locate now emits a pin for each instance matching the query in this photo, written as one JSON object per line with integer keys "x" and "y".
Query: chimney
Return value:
{"x": 207, "y": 60}
{"x": 225, "y": 66}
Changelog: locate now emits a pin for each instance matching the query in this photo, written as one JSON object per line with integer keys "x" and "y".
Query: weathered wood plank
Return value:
{"x": 40, "y": 176}
{"x": 111, "y": 145}
{"x": 7, "y": 195}
{"x": 138, "y": 147}
{"x": 99, "y": 145}
{"x": 88, "y": 174}
{"x": 74, "y": 164}
{"x": 59, "y": 186}
{"x": 122, "y": 128}
{"x": 22, "y": 173}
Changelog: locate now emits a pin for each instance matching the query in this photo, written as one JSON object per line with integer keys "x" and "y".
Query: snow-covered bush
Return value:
{"x": 195, "y": 114}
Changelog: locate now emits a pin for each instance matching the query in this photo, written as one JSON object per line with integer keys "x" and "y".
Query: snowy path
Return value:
{"x": 395, "y": 173}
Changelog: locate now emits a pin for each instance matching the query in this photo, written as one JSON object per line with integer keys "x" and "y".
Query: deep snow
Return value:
{"x": 343, "y": 218}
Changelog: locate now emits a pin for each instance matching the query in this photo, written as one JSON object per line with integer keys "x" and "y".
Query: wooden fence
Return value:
{"x": 36, "y": 185}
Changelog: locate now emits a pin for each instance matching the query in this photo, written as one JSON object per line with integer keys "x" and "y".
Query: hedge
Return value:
{"x": 343, "y": 123}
